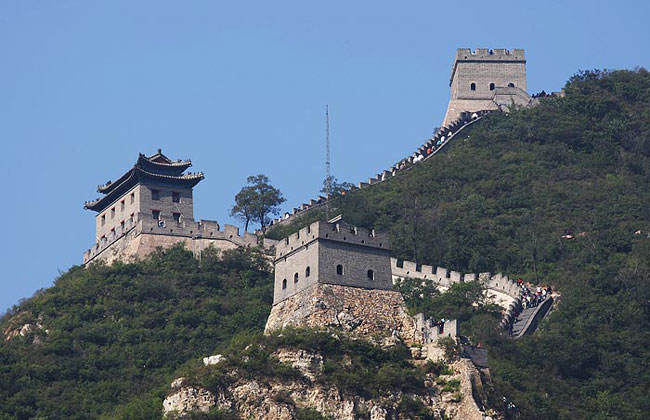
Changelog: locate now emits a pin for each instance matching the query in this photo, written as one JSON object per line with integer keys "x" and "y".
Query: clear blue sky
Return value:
{"x": 240, "y": 88}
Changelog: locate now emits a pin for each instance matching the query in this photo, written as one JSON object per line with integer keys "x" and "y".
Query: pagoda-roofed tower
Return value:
{"x": 155, "y": 188}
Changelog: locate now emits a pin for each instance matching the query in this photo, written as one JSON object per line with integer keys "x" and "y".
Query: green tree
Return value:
{"x": 244, "y": 208}
{"x": 335, "y": 188}
{"x": 256, "y": 201}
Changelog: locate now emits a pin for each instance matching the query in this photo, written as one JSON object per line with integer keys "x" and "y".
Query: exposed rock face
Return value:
{"x": 19, "y": 327}
{"x": 270, "y": 399}
{"x": 309, "y": 364}
{"x": 186, "y": 399}
{"x": 213, "y": 360}
{"x": 365, "y": 312}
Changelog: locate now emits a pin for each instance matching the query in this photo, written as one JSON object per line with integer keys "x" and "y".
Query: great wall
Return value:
{"x": 151, "y": 205}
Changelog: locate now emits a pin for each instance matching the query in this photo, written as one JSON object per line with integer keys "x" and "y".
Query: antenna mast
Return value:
{"x": 328, "y": 176}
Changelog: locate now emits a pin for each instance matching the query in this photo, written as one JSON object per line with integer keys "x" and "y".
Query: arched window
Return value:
{"x": 295, "y": 278}
{"x": 339, "y": 270}
{"x": 472, "y": 86}
{"x": 284, "y": 284}
{"x": 491, "y": 86}
{"x": 307, "y": 271}
{"x": 371, "y": 275}
{"x": 511, "y": 84}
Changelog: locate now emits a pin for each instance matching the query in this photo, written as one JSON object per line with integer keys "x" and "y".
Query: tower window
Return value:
{"x": 339, "y": 270}
{"x": 176, "y": 197}
{"x": 155, "y": 214}
{"x": 103, "y": 219}
{"x": 155, "y": 194}
{"x": 472, "y": 86}
{"x": 177, "y": 217}
{"x": 132, "y": 198}
{"x": 113, "y": 212}
{"x": 122, "y": 224}
{"x": 491, "y": 86}
{"x": 122, "y": 205}
{"x": 371, "y": 275}
{"x": 511, "y": 84}
{"x": 284, "y": 284}
{"x": 307, "y": 271}
{"x": 295, "y": 278}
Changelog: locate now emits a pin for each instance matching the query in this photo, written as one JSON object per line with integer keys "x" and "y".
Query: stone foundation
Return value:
{"x": 366, "y": 312}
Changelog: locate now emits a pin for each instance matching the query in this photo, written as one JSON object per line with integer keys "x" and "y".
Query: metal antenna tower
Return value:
{"x": 328, "y": 176}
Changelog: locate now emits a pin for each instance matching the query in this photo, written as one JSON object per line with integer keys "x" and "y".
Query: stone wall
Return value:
{"x": 366, "y": 312}
{"x": 501, "y": 285}
{"x": 139, "y": 239}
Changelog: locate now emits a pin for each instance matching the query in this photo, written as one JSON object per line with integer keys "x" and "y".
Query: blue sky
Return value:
{"x": 240, "y": 88}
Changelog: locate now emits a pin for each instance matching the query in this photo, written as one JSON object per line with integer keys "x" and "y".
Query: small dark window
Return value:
{"x": 491, "y": 86}
{"x": 132, "y": 198}
{"x": 176, "y": 197}
{"x": 113, "y": 212}
{"x": 295, "y": 278}
{"x": 472, "y": 86}
{"x": 339, "y": 270}
{"x": 371, "y": 275}
{"x": 511, "y": 84}
{"x": 155, "y": 194}
{"x": 307, "y": 271}
{"x": 122, "y": 224}
{"x": 122, "y": 205}
{"x": 155, "y": 214}
{"x": 103, "y": 219}
{"x": 177, "y": 217}
{"x": 284, "y": 284}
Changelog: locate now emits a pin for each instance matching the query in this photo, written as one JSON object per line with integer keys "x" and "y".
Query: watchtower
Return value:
{"x": 154, "y": 188}
{"x": 331, "y": 253}
{"x": 485, "y": 79}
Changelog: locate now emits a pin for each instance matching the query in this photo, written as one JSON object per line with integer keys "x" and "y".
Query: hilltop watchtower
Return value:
{"x": 151, "y": 206}
{"x": 335, "y": 274}
{"x": 331, "y": 253}
{"x": 155, "y": 188}
{"x": 485, "y": 79}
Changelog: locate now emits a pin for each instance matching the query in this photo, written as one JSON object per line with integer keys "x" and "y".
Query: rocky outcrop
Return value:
{"x": 364, "y": 312}
{"x": 23, "y": 325}
{"x": 271, "y": 399}
{"x": 185, "y": 399}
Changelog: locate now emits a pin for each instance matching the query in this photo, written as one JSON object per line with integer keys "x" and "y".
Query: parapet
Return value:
{"x": 486, "y": 54}
{"x": 339, "y": 232}
{"x": 203, "y": 229}
{"x": 445, "y": 278}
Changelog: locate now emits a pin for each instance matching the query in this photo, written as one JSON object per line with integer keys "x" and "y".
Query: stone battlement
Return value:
{"x": 486, "y": 54}
{"x": 445, "y": 278}
{"x": 203, "y": 229}
{"x": 338, "y": 232}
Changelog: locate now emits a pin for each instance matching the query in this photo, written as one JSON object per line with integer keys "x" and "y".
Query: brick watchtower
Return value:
{"x": 331, "y": 253}
{"x": 155, "y": 188}
{"x": 335, "y": 274}
{"x": 486, "y": 80}
{"x": 152, "y": 206}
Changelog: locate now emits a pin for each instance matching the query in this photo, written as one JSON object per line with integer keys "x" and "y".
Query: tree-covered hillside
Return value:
{"x": 559, "y": 194}
{"x": 115, "y": 335}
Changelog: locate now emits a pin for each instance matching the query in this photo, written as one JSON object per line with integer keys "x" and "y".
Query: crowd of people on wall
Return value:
{"x": 530, "y": 297}
{"x": 439, "y": 139}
